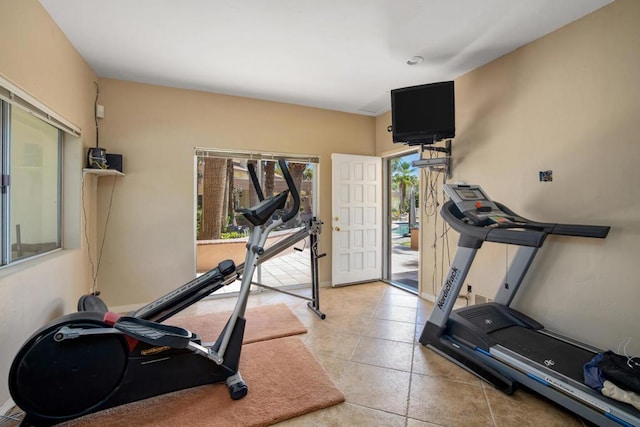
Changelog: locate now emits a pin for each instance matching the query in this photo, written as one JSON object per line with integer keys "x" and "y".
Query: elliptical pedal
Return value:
{"x": 154, "y": 333}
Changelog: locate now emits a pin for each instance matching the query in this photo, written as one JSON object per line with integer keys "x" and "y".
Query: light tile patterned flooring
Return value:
{"x": 368, "y": 344}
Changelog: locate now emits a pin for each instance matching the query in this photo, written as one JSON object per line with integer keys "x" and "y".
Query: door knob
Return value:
{"x": 337, "y": 228}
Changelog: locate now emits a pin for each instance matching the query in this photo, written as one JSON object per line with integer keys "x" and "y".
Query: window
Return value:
{"x": 223, "y": 186}
{"x": 31, "y": 180}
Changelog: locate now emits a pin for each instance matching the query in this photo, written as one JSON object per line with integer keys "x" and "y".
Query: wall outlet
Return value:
{"x": 546, "y": 176}
{"x": 469, "y": 288}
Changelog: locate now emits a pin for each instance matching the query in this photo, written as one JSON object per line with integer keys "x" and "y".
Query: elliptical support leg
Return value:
{"x": 237, "y": 387}
{"x": 314, "y": 304}
{"x": 312, "y": 228}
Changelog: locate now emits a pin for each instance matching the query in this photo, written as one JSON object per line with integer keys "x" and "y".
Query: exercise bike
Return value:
{"x": 88, "y": 361}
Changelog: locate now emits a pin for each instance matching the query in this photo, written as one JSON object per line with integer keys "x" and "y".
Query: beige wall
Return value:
{"x": 149, "y": 247}
{"x": 36, "y": 56}
{"x": 568, "y": 102}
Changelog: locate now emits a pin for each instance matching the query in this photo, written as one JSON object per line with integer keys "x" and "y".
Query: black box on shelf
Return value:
{"x": 114, "y": 161}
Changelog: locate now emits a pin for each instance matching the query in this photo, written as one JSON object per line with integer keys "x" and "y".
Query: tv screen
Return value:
{"x": 423, "y": 114}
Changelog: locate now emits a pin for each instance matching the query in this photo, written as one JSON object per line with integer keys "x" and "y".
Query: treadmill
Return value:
{"x": 497, "y": 343}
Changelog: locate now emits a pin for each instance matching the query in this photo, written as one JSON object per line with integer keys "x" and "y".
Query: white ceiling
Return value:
{"x": 343, "y": 55}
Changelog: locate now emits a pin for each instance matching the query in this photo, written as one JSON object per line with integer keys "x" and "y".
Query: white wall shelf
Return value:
{"x": 102, "y": 172}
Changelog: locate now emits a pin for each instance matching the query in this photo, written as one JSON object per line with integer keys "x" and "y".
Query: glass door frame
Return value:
{"x": 386, "y": 226}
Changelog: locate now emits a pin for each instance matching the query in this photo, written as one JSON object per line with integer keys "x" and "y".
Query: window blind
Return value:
{"x": 15, "y": 96}
{"x": 252, "y": 155}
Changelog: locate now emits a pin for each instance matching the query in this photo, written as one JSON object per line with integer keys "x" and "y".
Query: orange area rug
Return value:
{"x": 285, "y": 380}
{"x": 263, "y": 323}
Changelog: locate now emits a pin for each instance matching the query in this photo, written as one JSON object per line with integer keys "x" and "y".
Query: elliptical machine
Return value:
{"x": 88, "y": 361}
{"x": 225, "y": 273}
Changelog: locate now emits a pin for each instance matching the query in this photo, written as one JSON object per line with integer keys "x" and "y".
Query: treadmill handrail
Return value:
{"x": 523, "y": 232}
{"x": 472, "y": 236}
{"x": 577, "y": 230}
{"x": 595, "y": 231}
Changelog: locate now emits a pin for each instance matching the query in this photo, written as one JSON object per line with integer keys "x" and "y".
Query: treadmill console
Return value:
{"x": 476, "y": 206}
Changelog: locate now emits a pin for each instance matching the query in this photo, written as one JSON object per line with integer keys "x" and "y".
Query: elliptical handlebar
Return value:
{"x": 266, "y": 208}
{"x": 292, "y": 190}
{"x": 254, "y": 180}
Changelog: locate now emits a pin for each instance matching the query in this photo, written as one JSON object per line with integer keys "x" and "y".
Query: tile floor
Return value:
{"x": 368, "y": 344}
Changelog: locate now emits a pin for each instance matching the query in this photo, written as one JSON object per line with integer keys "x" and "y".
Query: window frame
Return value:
{"x": 13, "y": 97}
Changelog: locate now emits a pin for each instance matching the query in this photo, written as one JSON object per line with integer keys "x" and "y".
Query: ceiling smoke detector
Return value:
{"x": 415, "y": 60}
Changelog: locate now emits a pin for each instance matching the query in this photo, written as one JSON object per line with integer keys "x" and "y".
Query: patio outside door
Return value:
{"x": 404, "y": 221}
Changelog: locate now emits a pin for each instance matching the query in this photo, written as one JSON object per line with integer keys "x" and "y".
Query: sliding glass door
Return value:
{"x": 403, "y": 183}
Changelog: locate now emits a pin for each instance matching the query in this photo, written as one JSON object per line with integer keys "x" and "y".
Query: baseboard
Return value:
{"x": 125, "y": 308}
{"x": 458, "y": 304}
{"x": 428, "y": 297}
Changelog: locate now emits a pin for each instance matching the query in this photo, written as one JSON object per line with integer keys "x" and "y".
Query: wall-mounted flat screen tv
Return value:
{"x": 423, "y": 114}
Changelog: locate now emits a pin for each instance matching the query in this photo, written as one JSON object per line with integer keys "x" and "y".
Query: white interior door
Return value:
{"x": 357, "y": 218}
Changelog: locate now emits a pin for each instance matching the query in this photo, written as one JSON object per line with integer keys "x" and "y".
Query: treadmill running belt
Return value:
{"x": 555, "y": 354}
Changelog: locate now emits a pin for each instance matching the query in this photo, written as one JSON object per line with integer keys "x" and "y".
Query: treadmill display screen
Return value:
{"x": 470, "y": 194}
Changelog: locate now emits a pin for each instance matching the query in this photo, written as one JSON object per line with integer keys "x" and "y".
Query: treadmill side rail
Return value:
{"x": 561, "y": 386}
{"x": 432, "y": 336}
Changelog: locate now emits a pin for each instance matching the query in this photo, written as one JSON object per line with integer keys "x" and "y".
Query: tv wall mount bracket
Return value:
{"x": 441, "y": 163}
